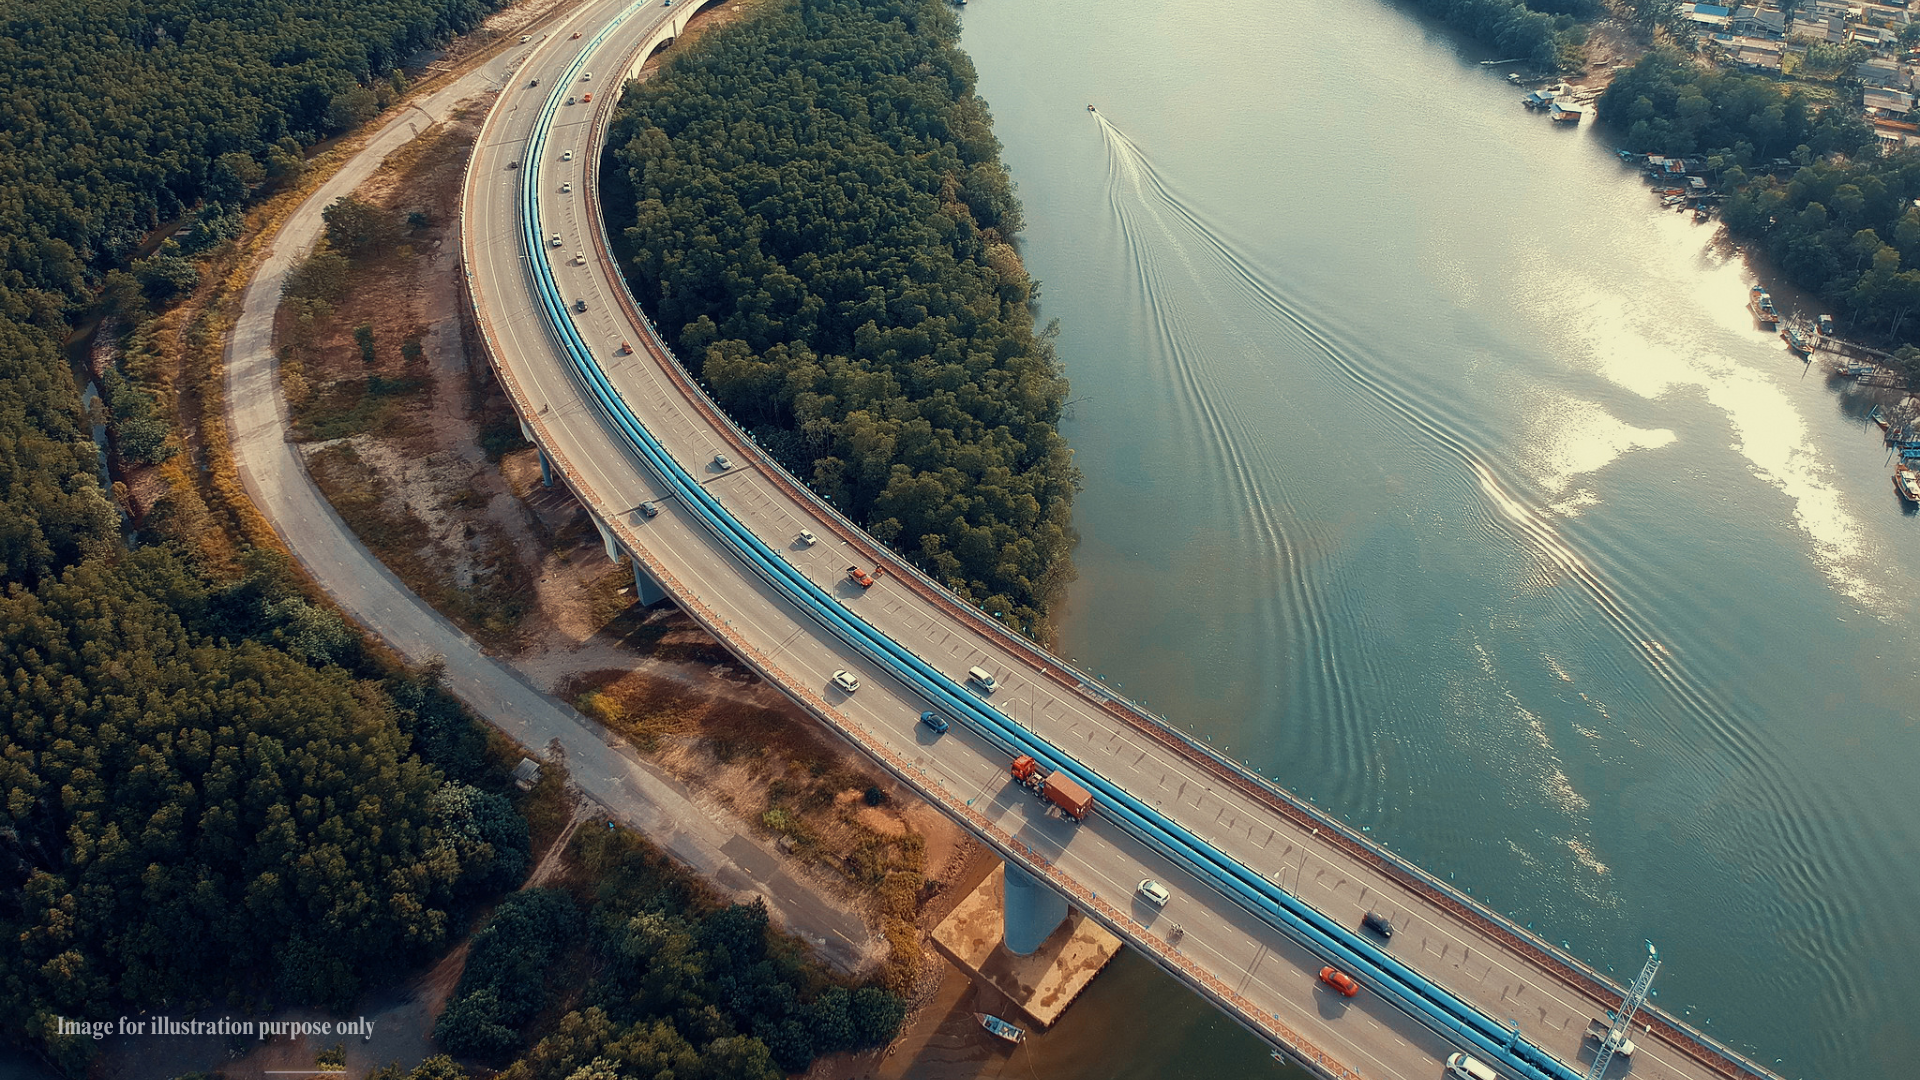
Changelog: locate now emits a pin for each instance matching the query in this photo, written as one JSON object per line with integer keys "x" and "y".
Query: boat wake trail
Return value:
{"x": 1156, "y": 245}
{"x": 1158, "y": 223}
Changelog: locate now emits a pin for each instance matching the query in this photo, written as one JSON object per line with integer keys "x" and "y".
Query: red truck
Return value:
{"x": 1057, "y": 788}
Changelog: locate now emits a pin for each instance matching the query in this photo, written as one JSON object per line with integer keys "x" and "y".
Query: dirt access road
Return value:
{"x": 275, "y": 477}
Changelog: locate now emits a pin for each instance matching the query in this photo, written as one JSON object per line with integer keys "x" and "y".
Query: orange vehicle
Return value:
{"x": 586, "y": 97}
{"x": 1340, "y": 981}
{"x": 862, "y": 578}
{"x": 1057, "y": 788}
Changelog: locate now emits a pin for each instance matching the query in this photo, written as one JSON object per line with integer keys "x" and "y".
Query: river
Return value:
{"x": 1439, "y": 475}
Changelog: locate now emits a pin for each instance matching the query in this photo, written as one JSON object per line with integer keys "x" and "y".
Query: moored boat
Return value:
{"x": 1001, "y": 1028}
{"x": 1796, "y": 340}
{"x": 1907, "y": 484}
{"x": 1760, "y": 302}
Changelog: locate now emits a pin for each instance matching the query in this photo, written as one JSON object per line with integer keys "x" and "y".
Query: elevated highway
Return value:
{"x": 1268, "y": 888}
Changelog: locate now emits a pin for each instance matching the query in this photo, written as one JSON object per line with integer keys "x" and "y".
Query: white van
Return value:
{"x": 983, "y": 679}
{"x": 1464, "y": 1067}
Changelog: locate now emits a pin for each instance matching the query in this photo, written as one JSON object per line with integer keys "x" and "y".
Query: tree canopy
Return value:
{"x": 1805, "y": 180}
{"x": 817, "y": 214}
{"x": 1537, "y": 31}
{"x": 684, "y": 988}
{"x": 1669, "y": 104}
{"x": 208, "y": 783}
{"x": 196, "y": 790}
{"x": 117, "y": 116}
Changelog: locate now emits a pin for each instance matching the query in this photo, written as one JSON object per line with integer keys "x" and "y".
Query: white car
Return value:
{"x": 557, "y": 241}
{"x": 1467, "y": 1067}
{"x": 722, "y": 462}
{"x": 806, "y": 538}
{"x": 588, "y": 77}
{"x": 566, "y": 155}
{"x": 1154, "y": 892}
{"x": 846, "y": 681}
{"x": 566, "y": 187}
{"x": 579, "y": 258}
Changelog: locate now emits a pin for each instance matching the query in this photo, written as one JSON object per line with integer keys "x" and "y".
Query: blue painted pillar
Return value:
{"x": 1032, "y": 911}
{"x": 546, "y": 470}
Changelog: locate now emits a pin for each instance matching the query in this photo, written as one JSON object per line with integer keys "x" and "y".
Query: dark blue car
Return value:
{"x": 935, "y": 722}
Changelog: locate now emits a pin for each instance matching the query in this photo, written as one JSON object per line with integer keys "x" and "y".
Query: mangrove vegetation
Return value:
{"x": 816, "y": 215}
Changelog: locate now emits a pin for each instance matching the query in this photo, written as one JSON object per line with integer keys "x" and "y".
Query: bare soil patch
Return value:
{"x": 1611, "y": 44}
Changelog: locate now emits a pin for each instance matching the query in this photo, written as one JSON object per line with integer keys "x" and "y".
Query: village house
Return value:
{"x": 1711, "y": 16}
{"x": 1762, "y": 22}
{"x": 1892, "y": 104}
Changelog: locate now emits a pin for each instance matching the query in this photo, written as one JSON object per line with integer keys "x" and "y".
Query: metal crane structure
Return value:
{"x": 1623, "y": 1020}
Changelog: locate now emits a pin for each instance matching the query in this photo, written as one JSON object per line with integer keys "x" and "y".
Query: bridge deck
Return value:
{"x": 1234, "y": 957}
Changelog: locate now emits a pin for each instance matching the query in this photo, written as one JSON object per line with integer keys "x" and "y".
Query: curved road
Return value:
{"x": 276, "y": 478}
{"x": 1233, "y": 957}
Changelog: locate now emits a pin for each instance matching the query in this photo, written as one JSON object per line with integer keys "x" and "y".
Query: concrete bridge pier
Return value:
{"x": 1012, "y": 932}
{"x": 546, "y": 467}
{"x": 1031, "y": 912}
{"x": 645, "y": 589}
{"x": 607, "y": 540}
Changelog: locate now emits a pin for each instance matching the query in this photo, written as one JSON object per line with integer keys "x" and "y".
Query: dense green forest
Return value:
{"x": 117, "y": 116}
{"x": 1670, "y": 104}
{"x": 659, "y": 979}
{"x": 211, "y": 787}
{"x": 818, "y": 218}
{"x": 1805, "y": 182}
{"x": 1545, "y": 33}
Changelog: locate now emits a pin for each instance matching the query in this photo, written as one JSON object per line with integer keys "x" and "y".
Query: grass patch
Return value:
{"x": 501, "y": 436}
{"x": 376, "y": 406}
{"x": 490, "y": 609}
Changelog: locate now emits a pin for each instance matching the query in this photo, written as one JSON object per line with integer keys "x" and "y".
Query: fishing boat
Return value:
{"x": 999, "y": 1027}
{"x": 1761, "y": 304}
{"x": 1796, "y": 340}
{"x": 1907, "y": 484}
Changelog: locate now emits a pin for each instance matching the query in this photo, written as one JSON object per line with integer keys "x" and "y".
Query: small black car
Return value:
{"x": 1379, "y": 924}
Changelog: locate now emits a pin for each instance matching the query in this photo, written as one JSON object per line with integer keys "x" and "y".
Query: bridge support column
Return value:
{"x": 1032, "y": 912}
{"x": 984, "y": 932}
{"x": 645, "y": 589}
{"x": 546, "y": 470}
{"x": 606, "y": 538}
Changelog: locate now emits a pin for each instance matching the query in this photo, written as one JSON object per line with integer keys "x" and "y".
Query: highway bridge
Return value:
{"x": 1267, "y": 887}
